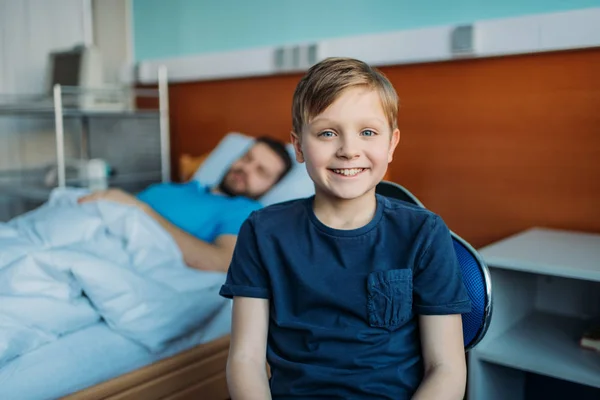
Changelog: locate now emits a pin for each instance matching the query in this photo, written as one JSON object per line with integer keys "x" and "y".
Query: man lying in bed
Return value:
{"x": 204, "y": 221}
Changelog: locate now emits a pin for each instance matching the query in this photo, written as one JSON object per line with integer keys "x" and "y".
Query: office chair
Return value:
{"x": 475, "y": 273}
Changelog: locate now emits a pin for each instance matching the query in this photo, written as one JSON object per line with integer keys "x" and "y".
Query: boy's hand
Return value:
{"x": 114, "y": 195}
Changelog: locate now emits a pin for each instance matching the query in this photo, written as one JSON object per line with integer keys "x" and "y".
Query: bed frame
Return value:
{"x": 197, "y": 373}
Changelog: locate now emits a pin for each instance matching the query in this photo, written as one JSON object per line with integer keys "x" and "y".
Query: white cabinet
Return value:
{"x": 546, "y": 288}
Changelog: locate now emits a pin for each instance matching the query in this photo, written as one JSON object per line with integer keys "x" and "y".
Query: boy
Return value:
{"x": 347, "y": 293}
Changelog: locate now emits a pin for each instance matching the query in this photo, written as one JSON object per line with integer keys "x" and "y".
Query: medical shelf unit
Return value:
{"x": 47, "y": 141}
{"x": 546, "y": 292}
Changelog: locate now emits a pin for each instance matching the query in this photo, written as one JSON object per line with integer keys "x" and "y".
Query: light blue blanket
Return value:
{"x": 66, "y": 266}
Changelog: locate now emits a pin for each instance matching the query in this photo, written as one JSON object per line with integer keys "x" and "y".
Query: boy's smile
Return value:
{"x": 348, "y": 172}
{"x": 348, "y": 146}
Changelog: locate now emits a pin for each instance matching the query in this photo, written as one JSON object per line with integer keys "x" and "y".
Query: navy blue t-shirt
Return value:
{"x": 344, "y": 303}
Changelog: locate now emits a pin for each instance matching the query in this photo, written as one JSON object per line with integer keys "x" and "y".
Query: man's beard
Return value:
{"x": 225, "y": 189}
{"x": 228, "y": 191}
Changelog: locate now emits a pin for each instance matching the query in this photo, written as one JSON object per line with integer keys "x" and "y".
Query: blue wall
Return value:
{"x": 170, "y": 28}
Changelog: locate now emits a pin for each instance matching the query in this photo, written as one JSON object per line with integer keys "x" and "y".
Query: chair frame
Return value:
{"x": 487, "y": 313}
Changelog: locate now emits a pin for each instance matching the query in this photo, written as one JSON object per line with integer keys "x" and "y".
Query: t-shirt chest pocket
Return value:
{"x": 389, "y": 301}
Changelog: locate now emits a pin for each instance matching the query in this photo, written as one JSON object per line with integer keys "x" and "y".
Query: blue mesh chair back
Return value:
{"x": 474, "y": 271}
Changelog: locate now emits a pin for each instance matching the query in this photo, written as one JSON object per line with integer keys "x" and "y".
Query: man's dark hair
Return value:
{"x": 280, "y": 149}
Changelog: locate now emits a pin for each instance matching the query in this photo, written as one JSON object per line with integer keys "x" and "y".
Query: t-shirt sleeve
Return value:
{"x": 438, "y": 286}
{"x": 150, "y": 193}
{"x": 247, "y": 276}
{"x": 233, "y": 219}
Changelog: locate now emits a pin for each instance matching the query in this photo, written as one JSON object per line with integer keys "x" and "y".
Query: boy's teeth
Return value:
{"x": 348, "y": 172}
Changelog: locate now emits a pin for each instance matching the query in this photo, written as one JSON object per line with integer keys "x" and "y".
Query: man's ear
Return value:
{"x": 393, "y": 143}
{"x": 295, "y": 138}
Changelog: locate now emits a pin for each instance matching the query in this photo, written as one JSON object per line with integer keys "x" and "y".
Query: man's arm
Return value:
{"x": 246, "y": 364}
{"x": 196, "y": 253}
{"x": 444, "y": 358}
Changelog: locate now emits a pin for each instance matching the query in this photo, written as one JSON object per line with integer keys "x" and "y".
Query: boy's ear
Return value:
{"x": 295, "y": 138}
{"x": 393, "y": 143}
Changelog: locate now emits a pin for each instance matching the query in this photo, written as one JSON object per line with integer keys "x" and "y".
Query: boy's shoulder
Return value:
{"x": 275, "y": 214}
{"x": 410, "y": 216}
{"x": 401, "y": 208}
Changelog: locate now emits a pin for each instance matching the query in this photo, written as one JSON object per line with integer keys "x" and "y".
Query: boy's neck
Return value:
{"x": 345, "y": 214}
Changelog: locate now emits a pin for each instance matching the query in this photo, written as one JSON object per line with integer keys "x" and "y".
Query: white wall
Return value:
{"x": 29, "y": 30}
{"x": 113, "y": 36}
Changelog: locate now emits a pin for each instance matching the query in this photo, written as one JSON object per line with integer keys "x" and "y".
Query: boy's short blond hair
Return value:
{"x": 325, "y": 81}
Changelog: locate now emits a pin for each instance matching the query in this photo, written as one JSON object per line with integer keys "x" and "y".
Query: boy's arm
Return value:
{"x": 444, "y": 357}
{"x": 246, "y": 364}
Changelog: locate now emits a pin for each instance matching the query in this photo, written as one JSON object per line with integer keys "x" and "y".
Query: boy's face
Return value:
{"x": 348, "y": 146}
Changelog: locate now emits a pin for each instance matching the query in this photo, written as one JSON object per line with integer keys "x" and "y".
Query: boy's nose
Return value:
{"x": 348, "y": 150}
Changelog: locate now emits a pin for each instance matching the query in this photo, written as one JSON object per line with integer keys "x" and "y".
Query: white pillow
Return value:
{"x": 296, "y": 184}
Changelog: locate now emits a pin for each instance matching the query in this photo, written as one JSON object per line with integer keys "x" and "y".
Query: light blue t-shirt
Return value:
{"x": 193, "y": 208}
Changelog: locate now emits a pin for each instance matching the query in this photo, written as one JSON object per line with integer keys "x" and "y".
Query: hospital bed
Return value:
{"x": 99, "y": 363}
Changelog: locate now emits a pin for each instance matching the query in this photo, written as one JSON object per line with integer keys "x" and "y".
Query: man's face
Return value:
{"x": 254, "y": 173}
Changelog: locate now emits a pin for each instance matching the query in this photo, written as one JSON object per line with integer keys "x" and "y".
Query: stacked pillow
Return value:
{"x": 296, "y": 184}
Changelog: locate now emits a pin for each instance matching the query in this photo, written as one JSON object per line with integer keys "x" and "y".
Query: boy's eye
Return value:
{"x": 368, "y": 132}
{"x": 327, "y": 134}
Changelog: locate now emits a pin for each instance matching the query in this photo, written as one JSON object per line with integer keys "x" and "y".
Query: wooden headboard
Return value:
{"x": 493, "y": 145}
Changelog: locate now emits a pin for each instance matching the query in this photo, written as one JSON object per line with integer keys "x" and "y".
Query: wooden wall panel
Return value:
{"x": 493, "y": 145}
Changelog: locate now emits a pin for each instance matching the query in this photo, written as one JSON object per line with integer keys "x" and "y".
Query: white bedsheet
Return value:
{"x": 91, "y": 356}
{"x": 65, "y": 266}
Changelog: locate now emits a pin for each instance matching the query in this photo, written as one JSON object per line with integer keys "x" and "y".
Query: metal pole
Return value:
{"x": 165, "y": 144}
{"x": 60, "y": 136}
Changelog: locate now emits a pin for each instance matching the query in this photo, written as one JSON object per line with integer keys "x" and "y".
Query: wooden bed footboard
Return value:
{"x": 197, "y": 373}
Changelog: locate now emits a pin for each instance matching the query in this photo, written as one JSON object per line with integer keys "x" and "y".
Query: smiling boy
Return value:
{"x": 346, "y": 294}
